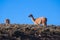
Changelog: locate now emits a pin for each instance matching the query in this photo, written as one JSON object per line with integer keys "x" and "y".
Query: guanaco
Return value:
{"x": 7, "y": 21}
{"x": 38, "y": 21}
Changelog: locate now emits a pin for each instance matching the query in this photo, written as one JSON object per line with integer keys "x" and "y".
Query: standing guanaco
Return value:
{"x": 38, "y": 21}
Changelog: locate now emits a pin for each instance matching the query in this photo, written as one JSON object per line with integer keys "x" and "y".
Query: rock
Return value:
{"x": 29, "y": 32}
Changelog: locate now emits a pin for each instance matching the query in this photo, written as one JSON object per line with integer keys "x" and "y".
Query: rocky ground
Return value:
{"x": 29, "y": 32}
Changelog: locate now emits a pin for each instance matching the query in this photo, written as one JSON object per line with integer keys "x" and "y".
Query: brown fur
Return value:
{"x": 41, "y": 21}
{"x": 38, "y": 21}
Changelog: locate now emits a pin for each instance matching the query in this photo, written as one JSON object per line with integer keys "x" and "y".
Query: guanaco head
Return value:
{"x": 7, "y": 21}
{"x": 30, "y": 15}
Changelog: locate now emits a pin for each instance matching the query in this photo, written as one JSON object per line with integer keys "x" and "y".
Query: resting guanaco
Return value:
{"x": 40, "y": 20}
{"x": 7, "y": 21}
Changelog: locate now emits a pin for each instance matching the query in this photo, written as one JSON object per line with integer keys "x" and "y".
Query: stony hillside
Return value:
{"x": 29, "y": 32}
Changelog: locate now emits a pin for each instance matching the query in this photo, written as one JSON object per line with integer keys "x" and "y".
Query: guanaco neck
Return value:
{"x": 33, "y": 19}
